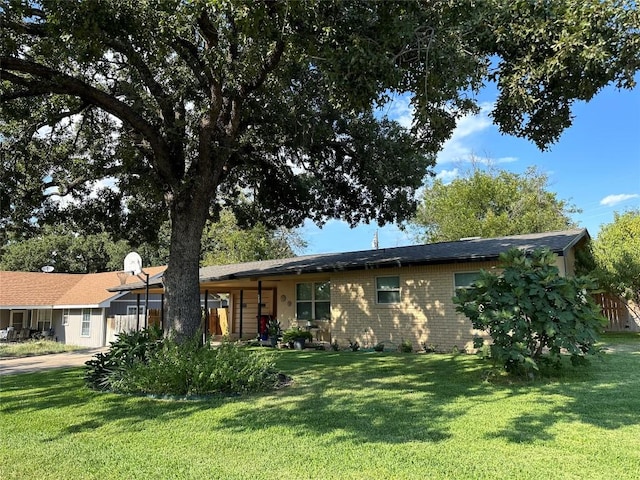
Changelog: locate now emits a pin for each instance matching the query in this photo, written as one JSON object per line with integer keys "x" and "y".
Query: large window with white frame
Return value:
{"x": 388, "y": 290}
{"x": 85, "y": 330}
{"x": 313, "y": 301}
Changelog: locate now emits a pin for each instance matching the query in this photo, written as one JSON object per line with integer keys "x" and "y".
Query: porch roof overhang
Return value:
{"x": 51, "y": 307}
{"x": 245, "y": 275}
{"x": 28, "y": 307}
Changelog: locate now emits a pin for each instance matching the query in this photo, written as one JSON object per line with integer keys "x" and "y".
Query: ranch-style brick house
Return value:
{"x": 388, "y": 295}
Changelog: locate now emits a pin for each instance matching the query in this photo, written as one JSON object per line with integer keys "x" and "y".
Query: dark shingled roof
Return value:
{"x": 465, "y": 250}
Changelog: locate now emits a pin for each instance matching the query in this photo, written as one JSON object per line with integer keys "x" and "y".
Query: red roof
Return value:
{"x": 52, "y": 289}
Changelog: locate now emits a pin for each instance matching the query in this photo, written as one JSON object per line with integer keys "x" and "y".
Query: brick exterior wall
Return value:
{"x": 425, "y": 314}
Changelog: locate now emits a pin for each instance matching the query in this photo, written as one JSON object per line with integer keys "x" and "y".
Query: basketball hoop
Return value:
{"x": 123, "y": 277}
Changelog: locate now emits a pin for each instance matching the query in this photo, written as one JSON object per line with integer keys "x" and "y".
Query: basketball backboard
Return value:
{"x": 133, "y": 263}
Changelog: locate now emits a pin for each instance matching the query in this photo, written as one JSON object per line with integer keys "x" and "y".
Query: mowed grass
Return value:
{"x": 347, "y": 415}
{"x": 34, "y": 347}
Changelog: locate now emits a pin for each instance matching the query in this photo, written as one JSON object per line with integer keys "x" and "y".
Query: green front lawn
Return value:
{"x": 34, "y": 347}
{"x": 347, "y": 415}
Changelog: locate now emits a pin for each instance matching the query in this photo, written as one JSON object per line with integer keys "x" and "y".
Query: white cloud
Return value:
{"x": 458, "y": 148}
{"x": 462, "y": 147}
{"x": 401, "y": 110}
{"x": 612, "y": 200}
{"x": 447, "y": 176}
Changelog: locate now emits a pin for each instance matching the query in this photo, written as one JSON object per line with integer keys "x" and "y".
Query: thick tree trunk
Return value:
{"x": 182, "y": 285}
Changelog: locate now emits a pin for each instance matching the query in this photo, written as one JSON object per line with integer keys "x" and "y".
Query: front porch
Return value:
{"x": 240, "y": 309}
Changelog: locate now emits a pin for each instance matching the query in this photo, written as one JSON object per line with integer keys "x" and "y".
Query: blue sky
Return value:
{"x": 595, "y": 166}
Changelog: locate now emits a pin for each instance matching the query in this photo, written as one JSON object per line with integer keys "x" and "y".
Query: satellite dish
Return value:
{"x": 133, "y": 263}
{"x": 47, "y": 269}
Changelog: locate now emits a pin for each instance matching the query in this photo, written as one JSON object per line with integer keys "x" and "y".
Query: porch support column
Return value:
{"x": 138, "y": 311}
{"x": 205, "y": 329}
{"x": 259, "y": 307}
{"x": 241, "y": 310}
{"x": 146, "y": 302}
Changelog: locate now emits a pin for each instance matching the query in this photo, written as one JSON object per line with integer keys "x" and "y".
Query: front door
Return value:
{"x": 18, "y": 319}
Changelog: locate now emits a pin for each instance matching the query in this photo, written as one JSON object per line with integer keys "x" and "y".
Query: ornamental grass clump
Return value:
{"x": 186, "y": 368}
{"x": 532, "y": 313}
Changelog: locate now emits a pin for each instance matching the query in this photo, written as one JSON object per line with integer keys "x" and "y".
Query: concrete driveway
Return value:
{"x": 11, "y": 366}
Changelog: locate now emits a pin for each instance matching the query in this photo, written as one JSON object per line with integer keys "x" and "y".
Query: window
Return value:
{"x": 465, "y": 279}
{"x": 313, "y": 301}
{"x": 65, "y": 316}
{"x": 132, "y": 311}
{"x": 388, "y": 290}
{"x": 44, "y": 319}
{"x": 86, "y": 323}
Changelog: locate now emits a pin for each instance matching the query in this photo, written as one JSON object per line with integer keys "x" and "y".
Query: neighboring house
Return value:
{"x": 77, "y": 307}
{"x": 389, "y": 295}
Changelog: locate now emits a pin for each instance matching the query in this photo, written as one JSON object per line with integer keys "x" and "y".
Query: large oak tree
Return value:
{"x": 186, "y": 107}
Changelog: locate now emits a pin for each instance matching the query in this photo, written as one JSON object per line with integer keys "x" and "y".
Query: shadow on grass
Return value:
{"x": 364, "y": 397}
{"x": 367, "y": 397}
{"x": 43, "y": 393}
{"x": 604, "y": 395}
{"x": 358, "y": 397}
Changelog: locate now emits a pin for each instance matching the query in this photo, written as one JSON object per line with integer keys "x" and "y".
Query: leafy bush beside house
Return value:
{"x": 531, "y": 313}
{"x": 144, "y": 362}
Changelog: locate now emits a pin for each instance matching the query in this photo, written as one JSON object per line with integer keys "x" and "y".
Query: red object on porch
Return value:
{"x": 262, "y": 327}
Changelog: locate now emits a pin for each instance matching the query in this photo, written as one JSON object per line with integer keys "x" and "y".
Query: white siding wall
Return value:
{"x": 72, "y": 332}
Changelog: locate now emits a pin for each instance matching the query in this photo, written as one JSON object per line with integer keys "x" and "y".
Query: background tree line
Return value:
{"x": 68, "y": 251}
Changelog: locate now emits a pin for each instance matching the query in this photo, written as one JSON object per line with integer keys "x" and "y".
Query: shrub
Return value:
{"x": 186, "y": 368}
{"x": 293, "y": 333}
{"x": 378, "y": 347}
{"x": 406, "y": 346}
{"x": 273, "y": 328}
{"x": 532, "y": 313}
{"x": 190, "y": 369}
{"x": 130, "y": 348}
{"x": 354, "y": 346}
{"x": 429, "y": 347}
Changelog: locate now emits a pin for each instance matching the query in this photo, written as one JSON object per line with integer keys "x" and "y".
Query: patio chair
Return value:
{"x": 12, "y": 335}
{"x": 323, "y": 331}
{"x": 24, "y": 334}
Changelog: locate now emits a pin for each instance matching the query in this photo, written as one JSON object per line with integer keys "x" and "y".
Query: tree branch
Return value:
{"x": 47, "y": 80}
{"x": 136, "y": 61}
{"x": 189, "y": 53}
{"x": 208, "y": 30}
{"x": 267, "y": 67}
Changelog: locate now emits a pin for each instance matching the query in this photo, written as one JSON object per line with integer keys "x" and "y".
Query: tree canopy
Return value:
{"x": 617, "y": 256}
{"x": 490, "y": 203}
{"x": 183, "y": 108}
{"x": 223, "y": 242}
{"x": 226, "y": 242}
{"x": 65, "y": 252}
